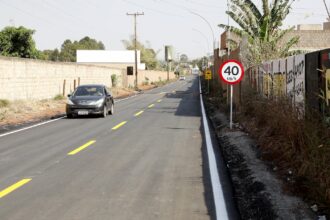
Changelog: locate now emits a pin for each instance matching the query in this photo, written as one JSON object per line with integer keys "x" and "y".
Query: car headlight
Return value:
{"x": 69, "y": 102}
{"x": 98, "y": 103}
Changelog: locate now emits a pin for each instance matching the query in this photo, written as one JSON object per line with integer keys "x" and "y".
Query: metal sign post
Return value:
{"x": 231, "y": 106}
{"x": 231, "y": 72}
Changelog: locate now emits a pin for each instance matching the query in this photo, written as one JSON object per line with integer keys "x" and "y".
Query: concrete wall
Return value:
{"x": 147, "y": 75}
{"x": 35, "y": 79}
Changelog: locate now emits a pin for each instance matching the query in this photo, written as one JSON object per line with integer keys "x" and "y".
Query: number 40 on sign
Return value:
{"x": 231, "y": 72}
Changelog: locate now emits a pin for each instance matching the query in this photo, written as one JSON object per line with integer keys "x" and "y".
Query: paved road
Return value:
{"x": 150, "y": 167}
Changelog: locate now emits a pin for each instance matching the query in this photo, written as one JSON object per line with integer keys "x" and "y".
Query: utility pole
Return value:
{"x": 326, "y": 7}
{"x": 135, "y": 45}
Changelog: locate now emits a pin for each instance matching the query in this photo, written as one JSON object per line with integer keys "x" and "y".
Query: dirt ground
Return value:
{"x": 258, "y": 192}
{"x": 29, "y": 111}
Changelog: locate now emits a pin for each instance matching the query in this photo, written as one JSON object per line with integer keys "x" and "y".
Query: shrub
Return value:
{"x": 146, "y": 81}
{"x": 291, "y": 142}
{"x": 4, "y": 103}
{"x": 59, "y": 97}
{"x": 114, "y": 80}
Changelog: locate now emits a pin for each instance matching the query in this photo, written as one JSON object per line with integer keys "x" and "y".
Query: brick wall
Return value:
{"x": 150, "y": 76}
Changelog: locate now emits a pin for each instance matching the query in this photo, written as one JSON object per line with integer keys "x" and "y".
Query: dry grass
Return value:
{"x": 299, "y": 145}
{"x": 23, "y": 111}
{"x": 17, "y": 112}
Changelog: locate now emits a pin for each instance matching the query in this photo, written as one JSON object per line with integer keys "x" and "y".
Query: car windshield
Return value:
{"x": 89, "y": 91}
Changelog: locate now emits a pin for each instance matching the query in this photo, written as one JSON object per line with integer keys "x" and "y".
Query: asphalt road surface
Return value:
{"x": 144, "y": 162}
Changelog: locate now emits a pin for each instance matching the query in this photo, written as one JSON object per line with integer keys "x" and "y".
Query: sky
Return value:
{"x": 187, "y": 25}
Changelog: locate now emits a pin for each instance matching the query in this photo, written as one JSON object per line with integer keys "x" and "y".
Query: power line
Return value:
{"x": 65, "y": 13}
{"x": 35, "y": 17}
{"x": 204, "y": 5}
{"x": 152, "y": 9}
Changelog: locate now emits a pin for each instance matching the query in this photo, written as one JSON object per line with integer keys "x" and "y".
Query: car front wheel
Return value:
{"x": 105, "y": 111}
{"x": 112, "y": 109}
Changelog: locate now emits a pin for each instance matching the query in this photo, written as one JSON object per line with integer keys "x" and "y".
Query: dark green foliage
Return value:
{"x": 18, "y": 42}
{"x": 261, "y": 29}
{"x": 4, "y": 103}
{"x": 69, "y": 48}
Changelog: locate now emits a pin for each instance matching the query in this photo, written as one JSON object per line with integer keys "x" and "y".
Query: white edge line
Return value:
{"x": 32, "y": 126}
{"x": 219, "y": 201}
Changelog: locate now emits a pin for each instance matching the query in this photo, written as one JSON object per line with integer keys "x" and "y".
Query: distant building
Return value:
{"x": 113, "y": 58}
{"x": 312, "y": 37}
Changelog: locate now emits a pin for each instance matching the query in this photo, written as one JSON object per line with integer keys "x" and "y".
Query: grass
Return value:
{"x": 114, "y": 80}
{"x": 4, "y": 103}
{"x": 59, "y": 97}
{"x": 298, "y": 146}
{"x": 301, "y": 146}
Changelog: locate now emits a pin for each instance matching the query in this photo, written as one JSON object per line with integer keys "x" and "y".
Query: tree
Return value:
{"x": 69, "y": 48}
{"x": 87, "y": 43}
{"x": 264, "y": 40}
{"x": 148, "y": 55}
{"x": 18, "y": 42}
{"x": 53, "y": 55}
{"x": 183, "y": 58}
{"x": 201, "y": 63}
{"x": 68, "y": 51}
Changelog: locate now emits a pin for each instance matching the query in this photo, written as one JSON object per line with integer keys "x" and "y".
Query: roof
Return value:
{"x": 107, "y": 56}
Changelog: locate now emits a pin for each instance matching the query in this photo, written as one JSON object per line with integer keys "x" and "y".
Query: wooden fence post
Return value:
{"x": 64, "y": 82}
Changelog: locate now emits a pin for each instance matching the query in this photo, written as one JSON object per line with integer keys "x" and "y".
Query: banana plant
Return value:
{"x": 261, "y": 28}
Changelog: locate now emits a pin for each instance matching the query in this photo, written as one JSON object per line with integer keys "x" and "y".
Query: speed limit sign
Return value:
{"x": 231, "y": 72}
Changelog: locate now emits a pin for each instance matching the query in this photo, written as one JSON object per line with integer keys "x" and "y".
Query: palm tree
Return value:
{"x": 261, "y": 29}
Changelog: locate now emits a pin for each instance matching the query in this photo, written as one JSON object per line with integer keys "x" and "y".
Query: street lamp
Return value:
{"x": 192, "y": 12}
{"x": 203, "y": 35}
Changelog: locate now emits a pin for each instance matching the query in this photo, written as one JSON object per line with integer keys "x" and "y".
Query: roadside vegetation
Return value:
{"x": 19, "y": 42}
{"x": 4, "y": 103}
{"x": 30, "y": 110}
{"x": 25, "y": 111}
{"x": 59, "y": 97}
{"x": 296, "y": 147}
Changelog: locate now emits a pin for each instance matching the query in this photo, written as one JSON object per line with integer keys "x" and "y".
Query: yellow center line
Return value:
{"x": 89, "y": 143}
{"x": 13, "y": 187}
{"x": 150, "y": 106}
{"x": 139, "y": 113}
{"x": 159, "y": 100}
{"x": 119, "y": 125}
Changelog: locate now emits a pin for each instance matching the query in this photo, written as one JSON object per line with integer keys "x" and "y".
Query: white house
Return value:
{"x": 116, "y": 58}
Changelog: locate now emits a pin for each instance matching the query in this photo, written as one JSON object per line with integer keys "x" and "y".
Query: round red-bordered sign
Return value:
{"x": 231, "y": 72}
